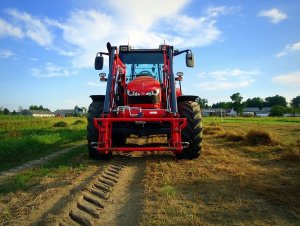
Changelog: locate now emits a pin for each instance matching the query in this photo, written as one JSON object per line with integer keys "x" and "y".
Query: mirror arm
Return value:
{"x": 102, "y": 53}
{"x": 176, "y": 52}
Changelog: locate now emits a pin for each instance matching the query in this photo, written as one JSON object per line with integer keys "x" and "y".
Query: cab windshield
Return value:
{"x": 143, "y": 64}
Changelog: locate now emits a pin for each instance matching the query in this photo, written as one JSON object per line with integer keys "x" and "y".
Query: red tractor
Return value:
{"x": 142, "y": 100}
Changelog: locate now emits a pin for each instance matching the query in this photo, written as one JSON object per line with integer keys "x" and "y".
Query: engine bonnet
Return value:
{"x": 143, "y": 84}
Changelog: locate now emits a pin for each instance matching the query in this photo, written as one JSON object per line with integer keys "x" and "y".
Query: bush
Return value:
{"x": 259, "y": 137}
{"x": 278, "y": 110}
{"x": 232, "y": 136}
{"x": 60, "y": 124}
{"x": 78, "y": 122}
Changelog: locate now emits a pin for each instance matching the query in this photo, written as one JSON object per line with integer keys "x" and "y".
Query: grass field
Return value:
{"x": 233, "y": 182}
{"x": 25, "y": 138}
{"x": 248, "y": 172}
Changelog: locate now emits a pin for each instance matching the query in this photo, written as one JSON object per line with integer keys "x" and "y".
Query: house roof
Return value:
{"x": 64, "y": 111}
{"x": 266, "y": 109}
{"x": 78, "y": 108}
{"x": 38, "y": 112}
{"x": 256, "y": 109}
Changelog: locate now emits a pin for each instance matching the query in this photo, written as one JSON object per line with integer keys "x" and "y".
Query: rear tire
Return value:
{"x": 95, "y": 111}
{"x": 192, "y": 133}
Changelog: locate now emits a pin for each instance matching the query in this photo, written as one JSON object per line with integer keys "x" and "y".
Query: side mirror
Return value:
{"x": 189, "y": 58}
{"x": 98, "y": 62}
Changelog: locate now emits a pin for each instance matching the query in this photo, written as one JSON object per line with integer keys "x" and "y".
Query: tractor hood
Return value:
{"x": 143, "y": 86}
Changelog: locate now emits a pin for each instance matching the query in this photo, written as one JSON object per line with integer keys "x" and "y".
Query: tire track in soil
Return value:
{"x": 111, "y": 195}
{"x": 114, "y": 198}
{"x": 86, "y": 208}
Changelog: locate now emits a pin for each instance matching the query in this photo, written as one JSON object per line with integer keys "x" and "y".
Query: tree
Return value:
{"x": 296, "y": 102}
{"x": 254, "y": 102}
{"x": 275, "y": 100}
{"x": 35, "y": 107}
{"x": 237, "y": 102}
{"x": 5, "y": 111}
{"x": 278, "y": 110}
{"x": 203, "y": 103}
{"x": 225, "y": 105}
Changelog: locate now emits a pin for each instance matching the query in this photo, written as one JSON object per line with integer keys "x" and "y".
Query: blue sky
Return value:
{"x": 47, "y": 48}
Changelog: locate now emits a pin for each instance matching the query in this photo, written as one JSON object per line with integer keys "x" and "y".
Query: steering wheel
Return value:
{"x": 143, "y": 73}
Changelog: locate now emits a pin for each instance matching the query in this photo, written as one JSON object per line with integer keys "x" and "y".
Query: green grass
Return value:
{"x": 258, "y": 120}
{"x": 168, "y": 190}
{"x": 26, "y": 138}
{"x": 65, "y": 164}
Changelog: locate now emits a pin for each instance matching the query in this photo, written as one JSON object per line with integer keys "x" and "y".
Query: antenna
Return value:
{"x": 128, "y": 40}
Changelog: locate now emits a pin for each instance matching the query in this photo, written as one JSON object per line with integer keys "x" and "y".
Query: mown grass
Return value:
{"x": 22, "y": 193}
{"x": 65, "y": 164}
{"x": 234, "y": 182}
{"x": 26, "y": 138}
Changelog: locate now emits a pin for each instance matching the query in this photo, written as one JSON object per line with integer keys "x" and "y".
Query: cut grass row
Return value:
{"x": 26, "y": 138}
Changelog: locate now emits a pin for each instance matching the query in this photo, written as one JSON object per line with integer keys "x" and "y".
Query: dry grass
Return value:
{"x": 152, "y": 139}
{"x": 213, "y": 129}
{"x": 232, "y": 136}
{"x": 259, "y": 137}
{"x": 291, "y": 153}
{"x": 232, "y": 183}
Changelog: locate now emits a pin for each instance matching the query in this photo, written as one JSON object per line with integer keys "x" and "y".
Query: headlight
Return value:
{"x": 132, "y": 93}
{"x": 153, "y": 92}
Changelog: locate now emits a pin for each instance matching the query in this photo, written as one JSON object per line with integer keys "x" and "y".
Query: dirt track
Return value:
{"x": 109, "y": 195}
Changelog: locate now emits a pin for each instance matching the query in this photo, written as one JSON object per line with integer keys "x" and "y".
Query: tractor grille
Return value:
{"x": 143, "y": 99}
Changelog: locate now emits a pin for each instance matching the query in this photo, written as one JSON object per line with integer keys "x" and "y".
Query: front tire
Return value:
{"x": 95, "y": 111}
{"x": 192, "y": 133}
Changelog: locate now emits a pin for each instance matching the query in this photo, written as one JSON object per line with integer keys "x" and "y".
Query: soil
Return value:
{"x": 54, "y": 201}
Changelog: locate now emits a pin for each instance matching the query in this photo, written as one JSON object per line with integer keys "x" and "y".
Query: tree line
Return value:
{"x": 5, "y": 111}
{"x": 278, "y": 103}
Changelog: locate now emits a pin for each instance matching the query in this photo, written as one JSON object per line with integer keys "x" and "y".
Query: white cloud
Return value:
{"x": 289, "y": 48}
{"x": 33, "y": 28}
{"x": 7, "y": 29}
{"x": 223, "y": 75}
{"x": 178, "y": 29}
{"x": 221, "y": 10}
{"x": 143, "y": 14}
{"x": 217, "y": 85}
{"x": 6, "y": 53}
{"x": 51, "y": 70}
{"x": 85, "y": 32}
{"x": 274, "y": 15}
{"x": 289, "y": 79}
{"x": 227, "y": 79}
